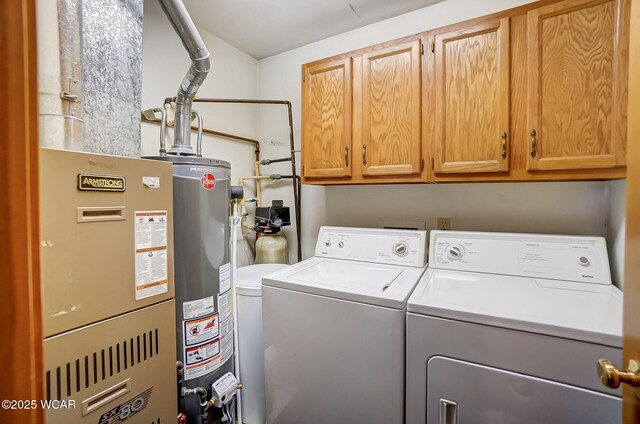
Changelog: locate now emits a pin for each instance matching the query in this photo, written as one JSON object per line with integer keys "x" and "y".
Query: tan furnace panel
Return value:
{"x": 121, "y": 369}
{"x": 88, "y": 242}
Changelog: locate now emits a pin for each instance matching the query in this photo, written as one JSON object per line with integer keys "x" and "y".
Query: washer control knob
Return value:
{"x": 584, "y": 261}
{"x": 340, "y": 244}
{"x": 400, "y": 248}
{"x": 327, "y": 243}
{"x": 455, "y": 252}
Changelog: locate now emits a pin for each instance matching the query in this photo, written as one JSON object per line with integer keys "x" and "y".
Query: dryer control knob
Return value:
{"x": 327, "y": 243}
{"x": 400, "y": 248}
{"x": 455, "y": 252}
{"x": 584, "y": 261}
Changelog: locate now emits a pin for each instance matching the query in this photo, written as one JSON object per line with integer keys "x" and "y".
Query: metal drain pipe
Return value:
{"x": 200, "y": 67}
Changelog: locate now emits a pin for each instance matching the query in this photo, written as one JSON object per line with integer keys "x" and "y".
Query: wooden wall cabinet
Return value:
{"x": 566, "y": 95}
{"x": 472, "y": 98}
{"x": 391, "y": 138}
{"x": 576, "y": 114}
{"x": 534, "y": 93}
{"x": 326, "y": 119}
{"x": 367, "y": 128}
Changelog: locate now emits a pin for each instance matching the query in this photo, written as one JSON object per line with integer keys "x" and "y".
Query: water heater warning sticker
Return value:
{"x": 224, "y": 304}
{"x": 202, "y": 353}
{"x": 197, "y": 308}
{"x": 200, "y": 330}
{"x": 151, "y": 253}
{"x": 227, "y": 347}
{"x": 226, "y": 326}
{"x": 224, "y": 274}
{"x": 202, "y": 359}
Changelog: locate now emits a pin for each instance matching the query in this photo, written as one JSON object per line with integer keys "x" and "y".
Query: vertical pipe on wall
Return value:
{"x": 234, "y": 299}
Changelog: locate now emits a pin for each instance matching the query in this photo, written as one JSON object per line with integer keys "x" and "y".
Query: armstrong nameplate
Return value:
{"x": 92, "y": 182}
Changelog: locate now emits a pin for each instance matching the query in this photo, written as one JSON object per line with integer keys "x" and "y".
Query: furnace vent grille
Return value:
{"x": 86, "y": 371}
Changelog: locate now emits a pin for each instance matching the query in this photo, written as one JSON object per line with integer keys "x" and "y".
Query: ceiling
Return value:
{"x": 263, "y": 28}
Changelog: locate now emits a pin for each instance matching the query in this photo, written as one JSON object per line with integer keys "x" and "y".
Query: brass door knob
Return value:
{"x": 611, "y": 376}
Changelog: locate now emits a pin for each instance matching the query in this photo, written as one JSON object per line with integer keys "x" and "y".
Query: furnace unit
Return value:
{"x": 107, "y": 288}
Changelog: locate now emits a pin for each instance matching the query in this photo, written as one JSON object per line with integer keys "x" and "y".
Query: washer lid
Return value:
{"x": 579, "y": 311}
{"x": 383, "y": 285}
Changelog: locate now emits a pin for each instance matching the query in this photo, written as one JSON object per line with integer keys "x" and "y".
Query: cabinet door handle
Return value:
{"x": 346, "y": 156}
{"x": 504, "y": 145}
{"x": 533, "y": 143}
{"x": 364, "y": 154}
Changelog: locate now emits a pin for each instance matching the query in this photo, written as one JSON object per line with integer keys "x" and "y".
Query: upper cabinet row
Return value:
{"x": 380, "y": 88}
{"x": 533, "y": 93}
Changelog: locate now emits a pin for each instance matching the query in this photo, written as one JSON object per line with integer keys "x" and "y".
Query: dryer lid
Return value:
{"x": 586, "y": 312}
{"x": 376, "y": 284}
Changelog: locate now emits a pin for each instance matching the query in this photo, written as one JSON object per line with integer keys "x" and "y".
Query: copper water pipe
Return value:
{"x": 295, "y": 179}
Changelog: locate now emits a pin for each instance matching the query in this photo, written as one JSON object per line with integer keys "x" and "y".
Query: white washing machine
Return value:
{"x": 334, "y": 328}
{"x": 508, "y": 328}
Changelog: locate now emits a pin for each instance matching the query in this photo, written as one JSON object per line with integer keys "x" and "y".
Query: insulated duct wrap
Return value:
{"x": 90, "y": 78}
{"x": 112, "y": 68}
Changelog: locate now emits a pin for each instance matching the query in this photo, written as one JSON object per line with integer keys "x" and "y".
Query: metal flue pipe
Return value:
{"x": 200, "y": 66}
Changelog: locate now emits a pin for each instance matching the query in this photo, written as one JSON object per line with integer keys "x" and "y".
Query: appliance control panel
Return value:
{"x": 569, "y": 258}
{"x": 386, "y": 246}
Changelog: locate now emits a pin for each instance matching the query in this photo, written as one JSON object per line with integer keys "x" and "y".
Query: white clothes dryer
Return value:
{"x": 508, "y": 328}
{"x": 334, "y": 328}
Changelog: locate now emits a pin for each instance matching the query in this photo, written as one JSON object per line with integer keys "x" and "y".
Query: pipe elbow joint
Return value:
{"x": 202, "y": 65}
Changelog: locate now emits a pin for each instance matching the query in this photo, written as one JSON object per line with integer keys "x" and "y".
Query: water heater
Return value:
{"x": 204, "y": 323}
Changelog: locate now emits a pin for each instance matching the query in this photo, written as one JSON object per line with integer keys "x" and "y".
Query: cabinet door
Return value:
{"x": 572, "y": 65}
{"x": 472, "y": 99}
{"x": 326, "y": 117}
{"x": 391, "y": 111}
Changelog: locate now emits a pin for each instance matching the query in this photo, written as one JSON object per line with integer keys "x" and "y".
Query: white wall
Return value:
{"x": 234, "y": 75}
{"x": 559, "y": 208}
{"x": 569, "y": 208}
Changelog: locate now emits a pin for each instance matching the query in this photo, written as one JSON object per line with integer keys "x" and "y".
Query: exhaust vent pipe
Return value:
{"x": 200, "y": 67}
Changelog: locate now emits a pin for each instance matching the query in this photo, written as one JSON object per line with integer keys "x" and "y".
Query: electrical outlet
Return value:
{"x": 443, "y": 223}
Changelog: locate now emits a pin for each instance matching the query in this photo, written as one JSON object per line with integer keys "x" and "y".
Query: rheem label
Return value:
{"x": 208, "y": 181}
